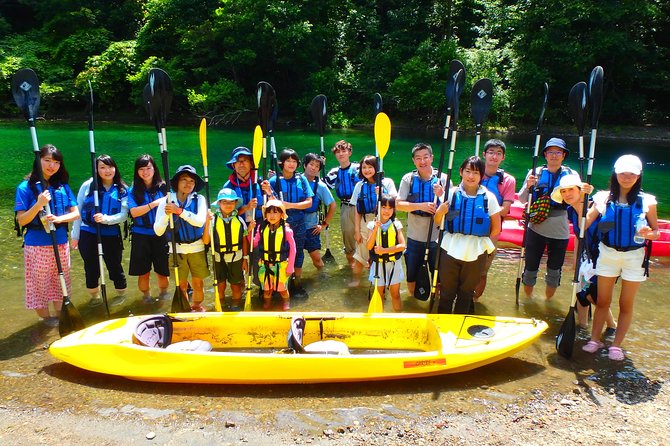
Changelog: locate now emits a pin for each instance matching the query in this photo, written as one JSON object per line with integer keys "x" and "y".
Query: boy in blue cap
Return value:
{"x": 229, "y": 245}
{"x": 551, "y": 231}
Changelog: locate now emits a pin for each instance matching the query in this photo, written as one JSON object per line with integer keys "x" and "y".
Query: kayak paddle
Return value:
{"x": 577, "y": 107}
{"x": 480, "y": 104}
{"x": 257, "y": 152}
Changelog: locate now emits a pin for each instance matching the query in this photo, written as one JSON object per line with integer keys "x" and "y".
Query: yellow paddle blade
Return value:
{"x": 257, "y": 148}
{"x": 217, "y": 302}
{"x": 382, "y": 134}
{"x": 376, "y": 304}
{"x": 203, "y": 142}
{"x": 247, "y": 301}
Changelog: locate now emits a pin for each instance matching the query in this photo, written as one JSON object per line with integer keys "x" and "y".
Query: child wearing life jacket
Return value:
{"x": 189, "y": 212}
{"x": 365, "y": 199}
{"x": 472, "y": 216}
{"x": 229, "y": 245}
{"x": 386, "y": 251}
{"x": 274, "y": 237}
{"x": 112, "y": 211}
{"x": 628, "y": 220}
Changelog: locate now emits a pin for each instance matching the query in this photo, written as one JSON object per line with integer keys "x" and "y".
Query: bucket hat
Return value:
{"x": 567, "y": 181}
{"x": 236, "y": 154}
{"x": 556, "y": 142}
{"x": 229, "y": 195}
{"x": 190, "y": 171}
{"x": 276, "y": 204}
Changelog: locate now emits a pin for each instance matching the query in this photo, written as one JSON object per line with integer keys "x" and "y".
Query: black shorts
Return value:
{"x": 230, "y": 272}
{"x": 148, "y": 250}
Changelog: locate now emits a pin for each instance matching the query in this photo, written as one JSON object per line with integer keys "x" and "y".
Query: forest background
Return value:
{"x": 217, "y": 50}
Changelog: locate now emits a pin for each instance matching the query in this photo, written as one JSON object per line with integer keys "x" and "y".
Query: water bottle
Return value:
{"x": 639, "y": 224}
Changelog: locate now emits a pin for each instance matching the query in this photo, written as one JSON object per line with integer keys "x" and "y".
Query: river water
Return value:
{"x": 29, "y": 375}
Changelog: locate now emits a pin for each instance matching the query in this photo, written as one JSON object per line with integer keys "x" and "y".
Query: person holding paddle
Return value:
{"x": 313, "y": 163}
{"x": 629, "y": 221}
{"x": 146, "y": 247}
{"x": 472, "y": 216}
{"x": 241, "y": 163}
{"x": 366, "y": 195}
{"x": 417, "y": 196}
{"x": 343, "y": 179}
{"x": 41, "y": 274}
{"x": 548, "y": 228}
{"x": 503, "y": 186}
{"x": 191, "y": 230}
{"x": 571, "y": 191}
{"x": 387, "y": 255}
{"x": 113, "y": 199}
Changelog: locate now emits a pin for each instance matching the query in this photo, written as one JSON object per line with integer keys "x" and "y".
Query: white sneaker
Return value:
{"x": 95, "y": 301}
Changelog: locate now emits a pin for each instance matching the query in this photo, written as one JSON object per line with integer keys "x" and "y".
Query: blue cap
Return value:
{"x": 556, "y": 142}
{"x": 236, "y": 154}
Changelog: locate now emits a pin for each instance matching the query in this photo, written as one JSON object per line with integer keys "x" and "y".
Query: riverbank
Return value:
{"x": 589, "y": 415}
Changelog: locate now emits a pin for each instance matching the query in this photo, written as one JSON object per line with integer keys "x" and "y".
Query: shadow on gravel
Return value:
{"x": 488, "y": 376}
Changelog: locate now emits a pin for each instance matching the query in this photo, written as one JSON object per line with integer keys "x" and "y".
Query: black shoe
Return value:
{"x": 300, "y": 293}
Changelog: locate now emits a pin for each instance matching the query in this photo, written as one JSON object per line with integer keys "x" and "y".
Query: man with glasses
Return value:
{"x": 503, "y": 186}
{"x": 553, "y": 232}
{"x": 416, "y": 196}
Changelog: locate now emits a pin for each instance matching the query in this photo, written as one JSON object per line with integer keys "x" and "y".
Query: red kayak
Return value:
{"x": 512, "y": 232}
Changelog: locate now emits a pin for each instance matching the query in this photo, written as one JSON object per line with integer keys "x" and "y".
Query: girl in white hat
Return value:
{"x": 628, "y": 220}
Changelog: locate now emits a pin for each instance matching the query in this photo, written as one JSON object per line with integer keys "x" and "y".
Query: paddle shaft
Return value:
{"x": 96, "y": 204}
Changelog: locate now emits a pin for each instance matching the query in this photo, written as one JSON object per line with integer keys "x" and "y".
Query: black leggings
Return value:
{"x": 112, "y": 248}
{"x": 535, "y": 246}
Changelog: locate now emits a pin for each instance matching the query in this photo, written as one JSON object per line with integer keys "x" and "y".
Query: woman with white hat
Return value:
{"x": 628, "y": 218}
{"x": 570, "y": 191}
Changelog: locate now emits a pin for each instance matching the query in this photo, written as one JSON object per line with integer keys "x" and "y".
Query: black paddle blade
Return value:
{"x": 328, "y": 257}
{"x": 70, "y": 320}
{"x": 480, "y": 100}
{"x": 89, "y": 106}
{"x": 596, "y": 95}
{"x": 265, "y": 96}
{"x": 540, "y": 120}
{"x": 456, "y": 95}
{"x": 423, "y": 283}
{"x": 565, "y": 341}
{"x": 577, "y": 103}
{"x": 454, "y": 67}
{"x": 378, "y": 103}
{"x": 179, "y": 302}
{"x": 160, "y": 88}
{"x": 146, "y": 99}
{"x": 26, "y": 92}
{"x": 319, "y": 112}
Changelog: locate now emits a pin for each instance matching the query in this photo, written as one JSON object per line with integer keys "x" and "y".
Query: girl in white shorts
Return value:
{"x": 622, "y": 250}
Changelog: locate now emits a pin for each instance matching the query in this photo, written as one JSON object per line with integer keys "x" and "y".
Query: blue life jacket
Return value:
{"x": 493, "y": 184}
{"x": 617, "y": 225}
{"x": 292, "y": 190}
{"x": 592, "y": 235}
{"x": 246, "y": 194}
{"x": 316, "y": 201}
{"x": 367, "y": 198}
{"x": 547, "y": 181}
{"x": 469, "y": 216}
{"x": 109, "y": 201}
{"x": 147, "y": 220}
{"x": 346, "y": 180}
{"x": 59, "y": 205}
{"x": 421, "y": 191}
{"x": 185, "y": 232}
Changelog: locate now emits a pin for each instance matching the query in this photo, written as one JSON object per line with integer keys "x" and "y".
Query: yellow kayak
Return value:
{"x": 269, "y": 347}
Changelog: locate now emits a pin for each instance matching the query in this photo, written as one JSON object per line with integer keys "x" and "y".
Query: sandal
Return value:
{"x": 616, "y": 353}
{"x": 593, "y": 346}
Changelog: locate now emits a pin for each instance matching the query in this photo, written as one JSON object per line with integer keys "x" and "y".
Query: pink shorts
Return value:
{"x": 41, "y": 278}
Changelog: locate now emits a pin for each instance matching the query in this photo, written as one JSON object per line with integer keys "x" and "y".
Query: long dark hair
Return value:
{"x": 370, "y": 160}
{"x": 60, "y": 177}
{"x": 139, "y": 187}
{"x": 388, "y": 201}
{"x": 474, "y": 163}
{"x": 615, "y": 189}
{"x": 107, "y": 160}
